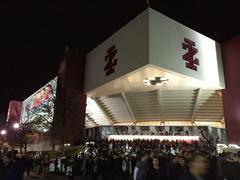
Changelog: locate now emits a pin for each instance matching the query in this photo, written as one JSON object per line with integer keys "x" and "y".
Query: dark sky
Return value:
{"x": 33, "y": 34}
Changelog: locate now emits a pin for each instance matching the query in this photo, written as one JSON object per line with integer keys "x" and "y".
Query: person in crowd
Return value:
{"x": 197, "y": 168}
{"x": 77, "y": 160}
{"x": 150, "y": 159}
{"x": 238, "y": 156}
{"x": 141, "y": 169}
{"x": 172, "y": 168}
{"x": 29, "y": 165}
{"x": 69, "y": 171}
{"x": 212, "y": 159}
{"x": 219, "y": 170}
{"x": 229, "y": 167}
{"x": 37, "y": 165}
{"x": 51, "y": 167}
{"x": 45, "y": 166}
{"x": 156, "y": 173}
{"x": 116, "y": 167}
{"x": 20, "y": 165}
{"x": 176, "y": 168}
{"x": 237, "y": 167}
{"x": 104, "y": 167}
{"x": 95, "y": 168}
{"x": 1, "y": 168}
{"x": 168, "y": 160}
{"x": 56, "y": 167}
{"x": 187, "y": 155}
{"x": 87, "y": 168}
{"x": 8, "y": 170}
{"x": 83, "y": 167}
{"x": 127, "y": 168}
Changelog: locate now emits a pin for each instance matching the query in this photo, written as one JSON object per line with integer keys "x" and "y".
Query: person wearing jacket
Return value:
{"x": 9, "y": 169}
{"x": 127, "y": 168}
{"x": 141, "y": 169}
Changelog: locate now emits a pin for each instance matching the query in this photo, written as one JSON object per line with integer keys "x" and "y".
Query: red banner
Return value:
{"x": 14, "y": 111}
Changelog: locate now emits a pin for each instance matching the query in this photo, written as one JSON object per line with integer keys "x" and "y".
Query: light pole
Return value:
{"x": 3, "y": 134}
{"x": 16, "y": 126}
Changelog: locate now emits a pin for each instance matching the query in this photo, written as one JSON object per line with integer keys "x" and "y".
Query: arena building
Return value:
{"x": 153, "y": 78}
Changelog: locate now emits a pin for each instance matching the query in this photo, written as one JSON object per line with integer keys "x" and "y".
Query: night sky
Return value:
{"x": 33, "y": 34}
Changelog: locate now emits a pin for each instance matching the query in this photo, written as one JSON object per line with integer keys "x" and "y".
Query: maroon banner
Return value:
{"x": 14, "y": 111}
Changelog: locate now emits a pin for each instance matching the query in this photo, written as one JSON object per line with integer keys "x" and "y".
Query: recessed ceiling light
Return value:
{"x": 155, "y": 81}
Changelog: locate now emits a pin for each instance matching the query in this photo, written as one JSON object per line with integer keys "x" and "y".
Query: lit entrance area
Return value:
{"x": 175, "y": 104}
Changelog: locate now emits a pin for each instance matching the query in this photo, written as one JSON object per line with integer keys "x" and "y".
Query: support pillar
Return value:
{"x": 231, "y": 95}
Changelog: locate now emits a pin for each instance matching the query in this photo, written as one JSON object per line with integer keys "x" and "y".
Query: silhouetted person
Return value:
{"x": 156, "y": 173}
{"x": 141, "y": 169}
{"x": 197, "y": 165}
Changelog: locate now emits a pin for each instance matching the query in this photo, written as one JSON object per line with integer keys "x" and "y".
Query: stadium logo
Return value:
{"x": 192, "y": 62}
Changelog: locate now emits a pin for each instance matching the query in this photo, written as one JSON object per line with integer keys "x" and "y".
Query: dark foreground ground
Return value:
{"x": 48, "y": 177}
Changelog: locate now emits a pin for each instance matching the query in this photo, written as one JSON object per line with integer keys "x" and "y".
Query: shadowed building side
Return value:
{"x": 69, "y": 114}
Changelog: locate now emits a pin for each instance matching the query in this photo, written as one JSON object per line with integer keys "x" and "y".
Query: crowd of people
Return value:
{"x": 131, "y": 160}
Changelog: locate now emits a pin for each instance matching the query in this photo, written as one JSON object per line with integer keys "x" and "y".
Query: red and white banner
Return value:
{"x": 14, "y": 111}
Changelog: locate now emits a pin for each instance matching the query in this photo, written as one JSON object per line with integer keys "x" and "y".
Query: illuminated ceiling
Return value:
{"x": 181, "y": 101}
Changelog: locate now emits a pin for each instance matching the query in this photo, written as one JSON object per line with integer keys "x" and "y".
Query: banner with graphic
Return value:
{"x": 216, "y": 134}
{"x": 38, "y": 109}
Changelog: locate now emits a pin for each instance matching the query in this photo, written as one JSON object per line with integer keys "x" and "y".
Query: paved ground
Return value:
{"x": 45, "y": 178}
{"x": 48, "y": 177}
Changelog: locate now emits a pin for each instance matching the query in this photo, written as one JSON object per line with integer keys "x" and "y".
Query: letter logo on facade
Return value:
{"x": 111, "y": 62}
{"x": 188, "y": 56}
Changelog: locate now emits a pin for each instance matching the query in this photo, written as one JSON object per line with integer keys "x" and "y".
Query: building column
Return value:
{"x": 231, "y": 94}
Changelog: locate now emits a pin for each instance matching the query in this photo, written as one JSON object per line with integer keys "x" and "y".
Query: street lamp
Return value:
{"x": 16, "y": 125}
{"x": 3, "y": 132}
{"x": 2, "y": 139}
